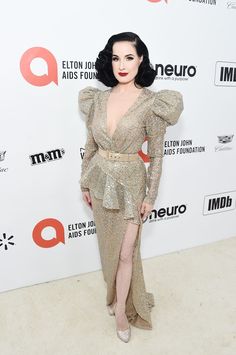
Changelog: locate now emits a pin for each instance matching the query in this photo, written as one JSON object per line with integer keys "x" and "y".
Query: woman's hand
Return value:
{"x": 146, "y": 209}
{"x": 87, "y": 198}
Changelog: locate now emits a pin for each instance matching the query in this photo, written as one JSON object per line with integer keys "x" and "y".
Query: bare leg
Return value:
{"x": 124, "y": 273}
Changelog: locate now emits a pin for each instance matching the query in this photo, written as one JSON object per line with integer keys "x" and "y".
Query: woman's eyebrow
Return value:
{"x": 115, "y": 55}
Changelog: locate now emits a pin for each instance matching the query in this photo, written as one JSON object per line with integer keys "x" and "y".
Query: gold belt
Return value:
{"x": 117, "y": 156}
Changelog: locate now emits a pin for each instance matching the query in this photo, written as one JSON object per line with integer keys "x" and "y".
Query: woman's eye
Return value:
{"x": 129, "y": 58}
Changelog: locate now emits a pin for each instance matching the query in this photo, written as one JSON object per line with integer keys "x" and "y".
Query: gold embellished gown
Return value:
{"x": 117, "y": 188}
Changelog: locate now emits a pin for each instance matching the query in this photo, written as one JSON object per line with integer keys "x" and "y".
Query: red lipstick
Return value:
{"x": 122, "y": 74}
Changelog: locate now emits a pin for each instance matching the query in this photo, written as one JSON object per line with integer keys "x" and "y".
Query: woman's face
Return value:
{"x": 125, "y": 60}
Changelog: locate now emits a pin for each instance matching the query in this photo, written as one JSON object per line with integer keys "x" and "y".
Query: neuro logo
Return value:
{"x": 5, "y": 241}
{"x": 165, "y": 213}
{"x": 177, "y": 71}
{"x": 51, "y": 241}
{"x": 32, "y": 78}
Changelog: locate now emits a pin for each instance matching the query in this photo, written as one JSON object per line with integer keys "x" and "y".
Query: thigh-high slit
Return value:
{"x": 111, "y": 228}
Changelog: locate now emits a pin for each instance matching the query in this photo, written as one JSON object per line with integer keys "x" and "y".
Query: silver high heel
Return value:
{"x": 111, "y": 309}
{"x": 123, "y": 335}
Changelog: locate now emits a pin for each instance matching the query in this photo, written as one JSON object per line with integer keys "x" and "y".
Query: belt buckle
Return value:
{"x": 114, "y": 155}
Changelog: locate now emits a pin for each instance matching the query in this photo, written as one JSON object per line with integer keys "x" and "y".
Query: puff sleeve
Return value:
{"x": 165, "y": 110}
{"x": 86, "y": 105}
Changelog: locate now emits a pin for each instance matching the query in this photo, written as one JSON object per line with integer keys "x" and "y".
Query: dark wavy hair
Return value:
{"x": 103, "y": 65}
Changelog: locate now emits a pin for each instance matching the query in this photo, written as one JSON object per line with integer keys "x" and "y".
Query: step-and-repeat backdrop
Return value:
{"x": 48, "y": 53}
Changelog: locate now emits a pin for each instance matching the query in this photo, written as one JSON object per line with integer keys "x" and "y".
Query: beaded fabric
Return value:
{"x": 118, "y": 188}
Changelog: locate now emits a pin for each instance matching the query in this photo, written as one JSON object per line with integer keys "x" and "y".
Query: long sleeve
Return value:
{"x": 166, "y": 110}
{"x": 86, "y": 105}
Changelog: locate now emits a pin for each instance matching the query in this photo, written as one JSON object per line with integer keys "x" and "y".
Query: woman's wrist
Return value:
{"x": 83, "y": 189}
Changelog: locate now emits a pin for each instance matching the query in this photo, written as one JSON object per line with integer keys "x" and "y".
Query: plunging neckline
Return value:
{"x": 108, "y": 92}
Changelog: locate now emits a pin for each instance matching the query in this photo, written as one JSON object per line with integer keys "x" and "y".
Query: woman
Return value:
{"x": 113, "y": 175}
